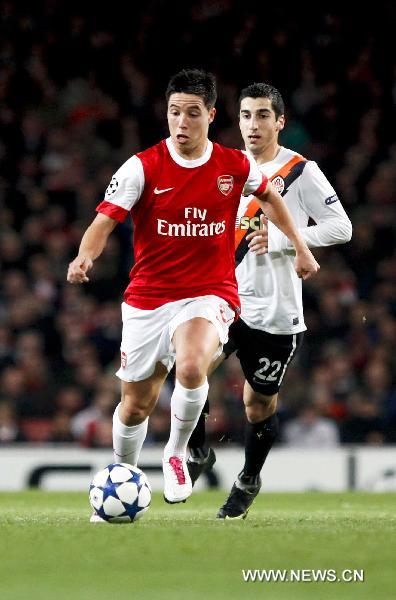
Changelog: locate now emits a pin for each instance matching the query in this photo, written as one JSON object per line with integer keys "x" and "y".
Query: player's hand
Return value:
{"x": 305, "y": 264}
{"x": 78, "y": 268}
{"x": 258, "y": 240}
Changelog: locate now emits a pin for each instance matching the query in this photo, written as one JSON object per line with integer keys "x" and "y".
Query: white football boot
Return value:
{"x": 177, "y": 480}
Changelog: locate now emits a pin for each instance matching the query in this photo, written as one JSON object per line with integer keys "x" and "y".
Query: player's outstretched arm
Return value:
{"x": 92, "y": 245}
{"x": 273, "y": 206}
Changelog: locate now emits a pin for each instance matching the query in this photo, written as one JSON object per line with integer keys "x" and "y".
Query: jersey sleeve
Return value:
{"x": 320, "y": 202}
{"x": 318, "y": 199}
{"x": 256, "y": 182}
{"x": 124, "y": 190}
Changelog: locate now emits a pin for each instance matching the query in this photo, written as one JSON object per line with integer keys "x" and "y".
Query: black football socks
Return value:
{"x": 258, "y": 442}
{"x": 197, "y": 445}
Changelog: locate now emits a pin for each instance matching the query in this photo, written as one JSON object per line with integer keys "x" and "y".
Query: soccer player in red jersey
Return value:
{"x": 183, "y": 195}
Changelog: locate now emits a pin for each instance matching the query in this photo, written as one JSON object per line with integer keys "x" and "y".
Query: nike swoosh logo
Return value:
{"x": 259, "y": 381}
{"x": 183, "y": 420}
{"x": 121, "y": 455}
{"x": 157, "y": 191}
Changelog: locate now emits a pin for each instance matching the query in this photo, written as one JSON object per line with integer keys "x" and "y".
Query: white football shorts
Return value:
{"x": 147, "y": 334}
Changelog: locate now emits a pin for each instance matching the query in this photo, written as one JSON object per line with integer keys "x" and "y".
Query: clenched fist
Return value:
{"x": 258, "y": 240}
{"x": 78, "y": 268}
{"x": 305, "y": 264}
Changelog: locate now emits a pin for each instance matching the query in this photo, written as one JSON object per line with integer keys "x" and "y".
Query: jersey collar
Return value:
{"x": 189, "y": 164}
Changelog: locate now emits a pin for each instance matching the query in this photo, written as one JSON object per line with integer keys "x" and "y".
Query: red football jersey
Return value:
{"x": 184, "y": 221}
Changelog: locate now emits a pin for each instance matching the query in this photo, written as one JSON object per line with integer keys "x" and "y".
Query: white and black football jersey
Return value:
{"x": 269, "y": 288}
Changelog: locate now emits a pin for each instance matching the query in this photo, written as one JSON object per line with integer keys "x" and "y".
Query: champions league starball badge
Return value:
{"x": 112, "y": 187}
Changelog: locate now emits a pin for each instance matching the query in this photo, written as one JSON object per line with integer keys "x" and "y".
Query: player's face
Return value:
{"x": 189, "y": 120}
{"x": 259, "y": 126}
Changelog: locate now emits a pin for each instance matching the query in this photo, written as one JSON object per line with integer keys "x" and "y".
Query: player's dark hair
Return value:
{"x": 264, "y": 90}
{"x": 194, "y": 81}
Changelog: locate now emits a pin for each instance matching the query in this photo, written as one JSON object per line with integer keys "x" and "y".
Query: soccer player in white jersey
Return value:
{"x": 271, "y": 326}
{"x": 183, "y": 195}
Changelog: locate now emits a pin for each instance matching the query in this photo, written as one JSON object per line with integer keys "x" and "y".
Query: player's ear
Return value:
{"x": 280, "y": 123}
{"x": 212, "y": 114}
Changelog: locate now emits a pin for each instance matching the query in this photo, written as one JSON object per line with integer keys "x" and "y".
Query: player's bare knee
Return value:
{"x": 261, "y": 409}
{"x": 133, "y": 412}
{"x": 134, "y": 416}
{"x": 190, "y": 373}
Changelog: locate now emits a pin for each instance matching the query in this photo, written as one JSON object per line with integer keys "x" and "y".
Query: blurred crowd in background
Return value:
{"x": 79, "y": 94}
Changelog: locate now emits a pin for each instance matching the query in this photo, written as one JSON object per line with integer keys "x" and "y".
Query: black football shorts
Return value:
{"x": 264, "y": 357}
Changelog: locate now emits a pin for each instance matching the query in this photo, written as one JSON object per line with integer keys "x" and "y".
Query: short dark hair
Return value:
{"x": 194, "y": 81}
{"x": 264, "y": 90}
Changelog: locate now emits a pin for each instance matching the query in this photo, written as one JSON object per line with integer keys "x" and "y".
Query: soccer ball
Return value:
{"x": 120, "y": 493}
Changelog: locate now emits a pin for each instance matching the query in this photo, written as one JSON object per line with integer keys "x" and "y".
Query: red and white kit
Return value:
{"x": 184, "y": 215}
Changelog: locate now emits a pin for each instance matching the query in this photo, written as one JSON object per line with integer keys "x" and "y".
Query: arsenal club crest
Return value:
{"x": 225, "y": 183}
{"x": 279, "y": 183}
